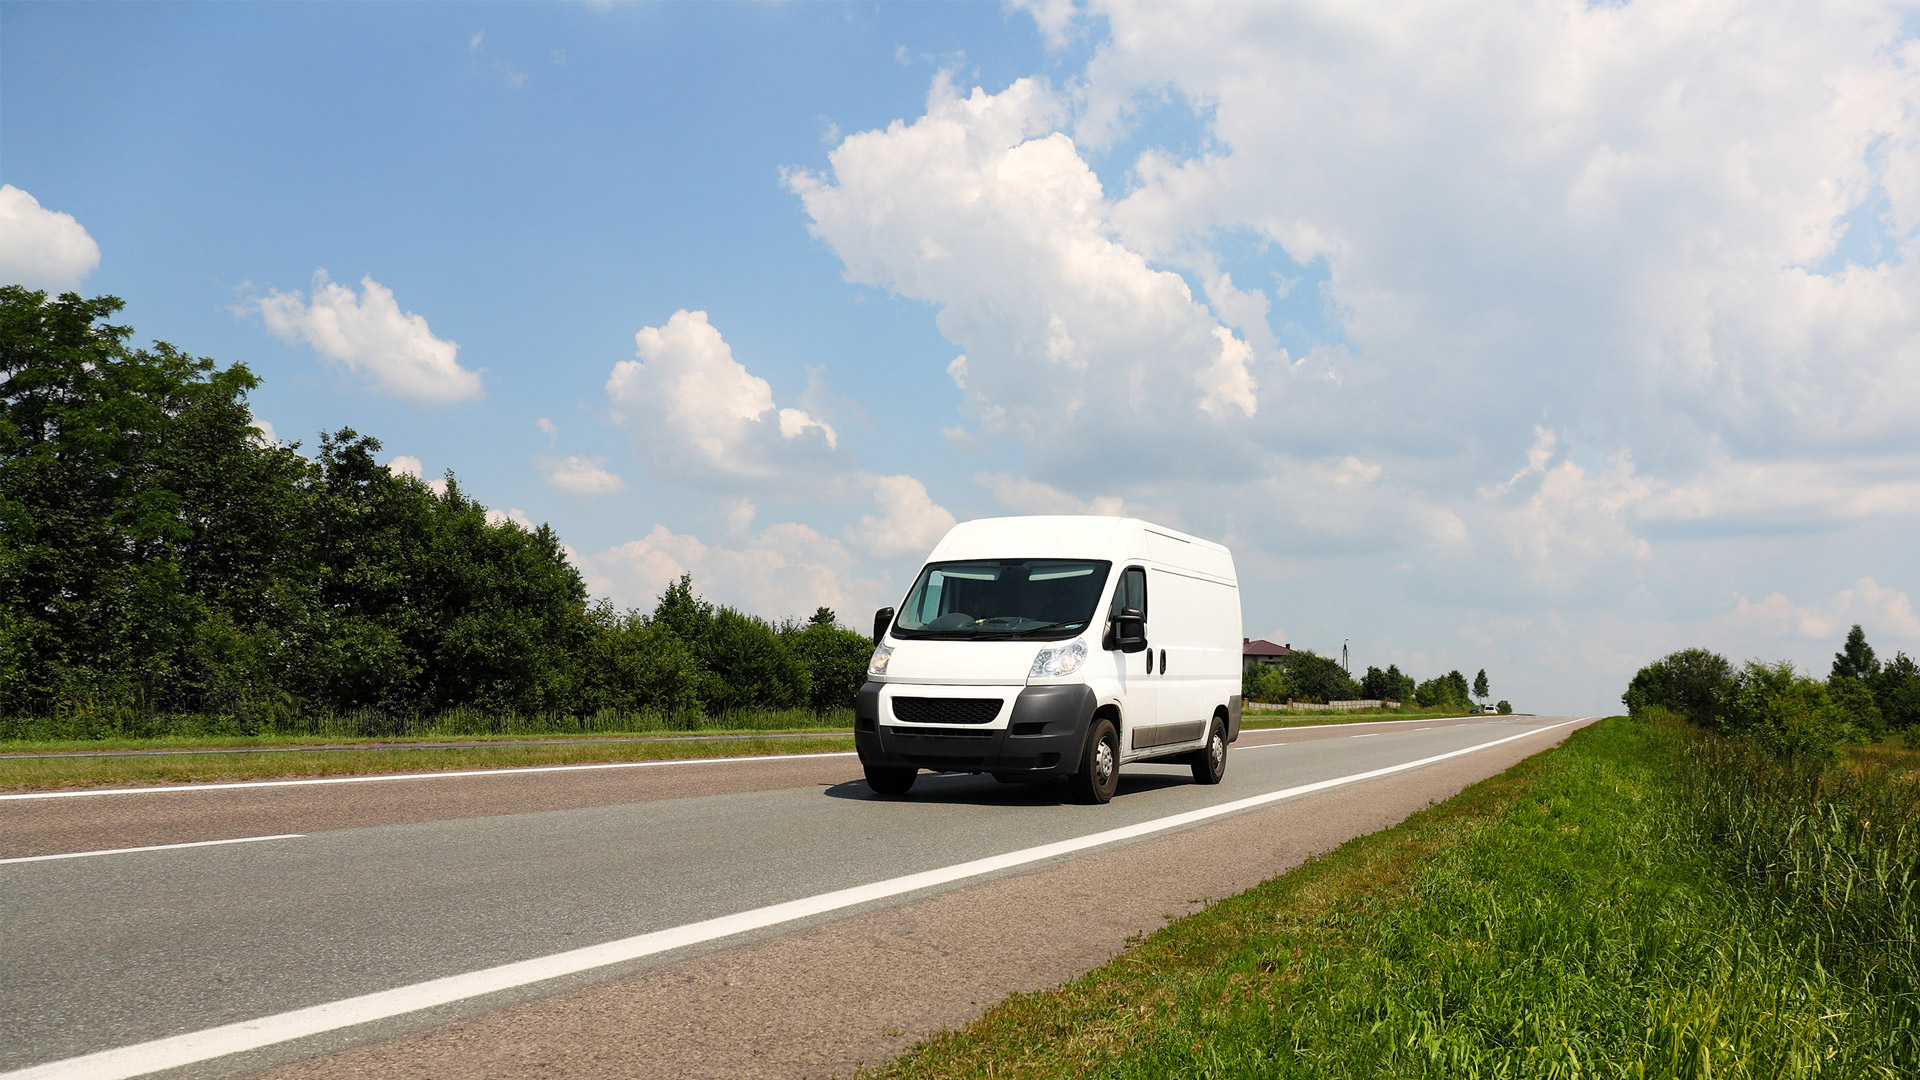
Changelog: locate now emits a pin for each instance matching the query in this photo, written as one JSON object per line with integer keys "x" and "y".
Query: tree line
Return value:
{"x": 1776, "y": 706}
{"x": 1306, "y": 676}
{"x": 159, "y": 556}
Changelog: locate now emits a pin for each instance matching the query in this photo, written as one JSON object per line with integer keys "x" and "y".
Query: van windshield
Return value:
{"x": 1044, "y": 599}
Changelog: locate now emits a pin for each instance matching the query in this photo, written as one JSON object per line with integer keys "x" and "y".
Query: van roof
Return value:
{"x": 1074, "y": 536}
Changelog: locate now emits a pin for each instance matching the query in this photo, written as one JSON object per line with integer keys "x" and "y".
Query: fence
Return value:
{"x": 1331, "y": 706}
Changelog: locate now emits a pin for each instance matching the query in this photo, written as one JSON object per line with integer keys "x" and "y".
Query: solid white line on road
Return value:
{"x": 178, "y": 1050}
{"x": 448, "y": 775}
{"x": 1364, "y": 735}
{"x": 1245, "y": 716}
{"x": 154, "y": 847}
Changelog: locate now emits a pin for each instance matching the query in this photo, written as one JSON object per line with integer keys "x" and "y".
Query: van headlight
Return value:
{"x": 881, "y": 657}
{"x": 1053, "y": 663}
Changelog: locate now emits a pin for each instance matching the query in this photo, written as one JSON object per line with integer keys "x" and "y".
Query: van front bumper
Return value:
{"x": 1045, "y": 736}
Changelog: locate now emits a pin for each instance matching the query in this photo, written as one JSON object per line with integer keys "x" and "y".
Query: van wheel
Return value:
{"x": 889, "y": 781}
{"x": 1099, "y": 773}
{"x": 1210, "y": 761}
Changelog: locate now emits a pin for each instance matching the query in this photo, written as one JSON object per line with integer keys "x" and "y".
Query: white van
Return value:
{"x": 1037, "y": 647}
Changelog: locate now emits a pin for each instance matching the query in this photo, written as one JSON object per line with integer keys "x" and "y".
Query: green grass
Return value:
{"x": 101, "y": 727}
{"x": 1640, "y": 902}
{"x": 47, "y": 774}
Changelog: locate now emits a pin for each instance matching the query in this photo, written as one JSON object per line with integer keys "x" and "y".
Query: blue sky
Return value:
{"x": 1546, "y": 341}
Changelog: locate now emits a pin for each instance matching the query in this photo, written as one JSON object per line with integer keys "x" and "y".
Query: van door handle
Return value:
{"x": 1163, "y": 661}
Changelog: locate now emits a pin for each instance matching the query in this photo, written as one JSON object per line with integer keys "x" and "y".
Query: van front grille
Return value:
{"x": 942, "y": 710}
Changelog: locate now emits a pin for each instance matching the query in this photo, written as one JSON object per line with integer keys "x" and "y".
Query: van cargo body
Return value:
{"x": 1039, "y": 647}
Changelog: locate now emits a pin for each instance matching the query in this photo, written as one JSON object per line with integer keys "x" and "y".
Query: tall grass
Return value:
{"x": 1831, "y": 856}
{"x": 91, "y": 723}
{"x": 1640, "y": 902}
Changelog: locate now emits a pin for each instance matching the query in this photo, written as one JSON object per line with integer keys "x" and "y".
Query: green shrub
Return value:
{"x": 1690, "y": 682}
{"x": 1784, "y": 712}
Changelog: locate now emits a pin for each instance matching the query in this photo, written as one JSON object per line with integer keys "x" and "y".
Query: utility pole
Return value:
{"x": 1343, "y": 657}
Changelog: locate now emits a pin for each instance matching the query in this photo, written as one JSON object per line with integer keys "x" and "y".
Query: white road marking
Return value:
{"x": 1364, "y": 735}
{"x": 451, "y": 774}
{"x": 178, "y": 1050}
{"x": 154, "y": 847}
{"x": 1244, "y": 717}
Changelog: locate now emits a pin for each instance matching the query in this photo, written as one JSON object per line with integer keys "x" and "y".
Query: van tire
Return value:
{"x": 890, "y": 781}
{"x": 1210, "y": 761}
{"x": 1099, "y": 774}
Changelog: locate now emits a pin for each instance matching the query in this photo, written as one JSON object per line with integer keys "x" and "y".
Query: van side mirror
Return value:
{"x": 881, "y": 620}
{"x": 1128, "y": 631}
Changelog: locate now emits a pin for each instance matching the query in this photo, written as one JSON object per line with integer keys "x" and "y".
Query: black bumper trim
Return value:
{"x": 1051, "y": 722}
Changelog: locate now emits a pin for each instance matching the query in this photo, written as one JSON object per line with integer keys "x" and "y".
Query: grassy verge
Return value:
{"x": 46, "y": 774}
{"x": 1636, "y": 903}
{"x": 187, "y": 744}
{"x": 100, "y": 726}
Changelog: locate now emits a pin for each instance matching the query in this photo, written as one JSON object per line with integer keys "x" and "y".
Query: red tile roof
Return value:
{"x": 1263, "y": 647}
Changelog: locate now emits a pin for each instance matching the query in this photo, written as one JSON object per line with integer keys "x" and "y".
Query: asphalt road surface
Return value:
{"x": 765, "y": 917}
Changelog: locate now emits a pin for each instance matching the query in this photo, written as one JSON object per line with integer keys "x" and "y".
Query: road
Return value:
{"x": 459, "y": 925}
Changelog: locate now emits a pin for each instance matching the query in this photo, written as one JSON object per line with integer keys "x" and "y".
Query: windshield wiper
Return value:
{"x": 1044, "y": 627}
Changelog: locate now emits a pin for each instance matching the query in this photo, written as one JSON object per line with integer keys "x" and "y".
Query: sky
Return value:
{"x": 1538, "y": 337}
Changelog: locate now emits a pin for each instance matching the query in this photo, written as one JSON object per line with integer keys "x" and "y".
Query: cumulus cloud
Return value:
{"x": 408, "y": 465}
{"x": 579, "y": 476}
{"x": 42, "y": 248}
{"x": 984, "y": 208}
{"x": 265, "y": 428}
{"x": 516, "y": 517}
{"x": 1026, "y": 495}
{"x": 1885, "y": 612}
{"x": 369, "y": 335}
{"x": 697, "y": 411}
{"x": 1521, "y": 207}
{"x": 786, "y": 571}
{"x": 909, "y": 522}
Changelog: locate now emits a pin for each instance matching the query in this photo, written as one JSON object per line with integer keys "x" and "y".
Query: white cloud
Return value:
{"x": 697, "y": 411}
{"x": 579, "y": 476}
{"x": 784, "y": 572}
{"x": 408, "y": 465}
{"x": 1028, "y": 496}
{"x": 1638, "y": 214}
{"x": 1884, "y": 613}
{"x": 267, "y": 434}
{"x": 909, "y": 522}
{"x": 473, "y": 43}
{"x": 41, "y": 248}
{"x": 516, "y": 517}
{"x": 371, "y": 336}
{"x": 1056, "y": 19}
{"x": 548, "y": 428}
{"x": 984, "y": 209}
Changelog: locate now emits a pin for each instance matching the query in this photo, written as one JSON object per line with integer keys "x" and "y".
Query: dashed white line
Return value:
{"x": 150, "y": 847}
{"x": 176, "y": 1051}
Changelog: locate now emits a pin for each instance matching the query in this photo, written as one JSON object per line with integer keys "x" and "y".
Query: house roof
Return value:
{"x": 1263, "y": 647}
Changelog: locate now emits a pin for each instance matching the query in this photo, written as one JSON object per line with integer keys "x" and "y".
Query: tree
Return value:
{"x": 1855, "y": 660}
{"x": 1480, "y": 684}
{"x": 836, "y": 662}
{"x": 1689, "y": 683}
{"x": 823, "y": 616}
{"x": 1449, "y": 691}
{"x": 1505, "y": 708}
{"x": 1897, "y": 692}
{"x": 1784, "y": 711}
{"x": 1315, "y": 678}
